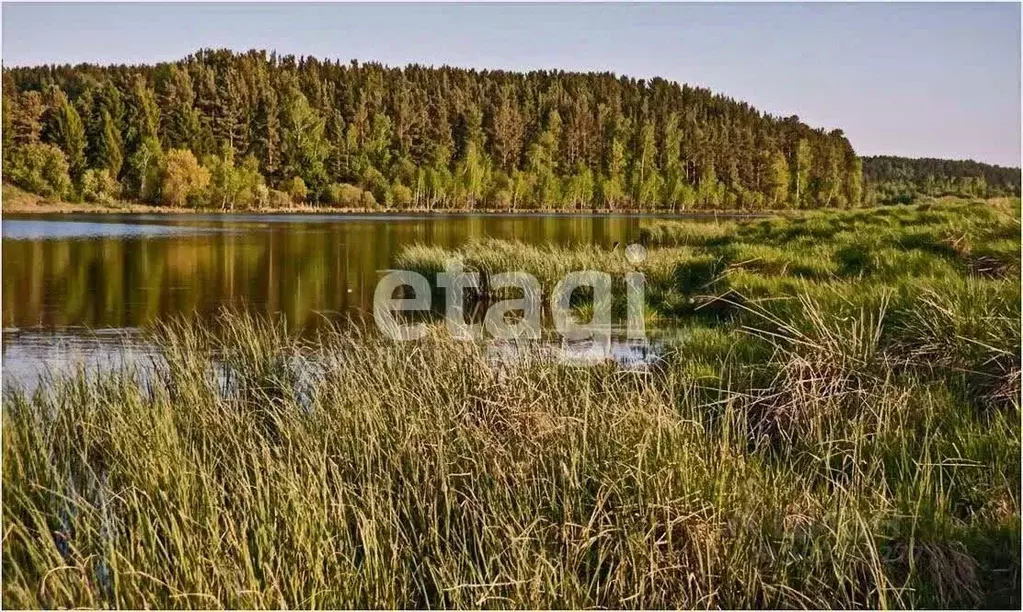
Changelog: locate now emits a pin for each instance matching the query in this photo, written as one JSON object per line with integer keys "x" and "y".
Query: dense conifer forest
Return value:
{"x": 224, "y": 129}
{"x": 229, "y": 130}
{"x": 902, "y": 179}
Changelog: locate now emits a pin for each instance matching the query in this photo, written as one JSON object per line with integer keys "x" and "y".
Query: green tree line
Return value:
{"x": 892, "y": 180}
{"x": 225, "y": 129}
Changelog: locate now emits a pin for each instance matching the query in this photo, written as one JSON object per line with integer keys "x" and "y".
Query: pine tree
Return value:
{"x": 267, "y": 136}
{"x": 141, "y": 115}
{"x": 180, "y": 124}
{"x": 64, "y": 128}
{"x": 337, "y": 158}
{"x": 24, "y": 113}
{"x": 109, "y": 151}
{"x": 303, "y": 144}
{"x": 507, "y": 131}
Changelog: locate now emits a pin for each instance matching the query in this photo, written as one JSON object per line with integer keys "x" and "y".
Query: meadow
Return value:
{"x": 835, "y": 423}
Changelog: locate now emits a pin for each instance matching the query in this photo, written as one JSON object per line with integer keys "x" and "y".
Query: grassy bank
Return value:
{"x": 19, "y": 201}
{"x": 712, "y": 271}
{"x": 837, "y": 425}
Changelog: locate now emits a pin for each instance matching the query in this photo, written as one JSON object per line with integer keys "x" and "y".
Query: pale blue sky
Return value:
{"x": 937, "y": 80}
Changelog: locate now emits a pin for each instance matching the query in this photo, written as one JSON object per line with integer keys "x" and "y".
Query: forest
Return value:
{"x": 900, "y": 180}
{"x": 229, "y": 130}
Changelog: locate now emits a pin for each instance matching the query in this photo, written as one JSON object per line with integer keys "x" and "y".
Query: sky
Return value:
{"x": 922, "y": 80}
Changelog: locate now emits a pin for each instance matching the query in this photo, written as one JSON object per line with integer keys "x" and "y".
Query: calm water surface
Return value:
{"x": 71, "y": 281}
{"x": 132, "y": 270}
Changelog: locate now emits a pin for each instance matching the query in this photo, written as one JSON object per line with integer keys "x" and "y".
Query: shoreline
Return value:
{"x": 417, "y": 212}
{"x": 17, "y": 201}
{"x": 133, "y": 209}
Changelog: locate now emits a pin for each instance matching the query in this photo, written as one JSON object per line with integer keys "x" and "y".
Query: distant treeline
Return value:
{"x": 249, "y": 129}
{"x": 903, "y": 179}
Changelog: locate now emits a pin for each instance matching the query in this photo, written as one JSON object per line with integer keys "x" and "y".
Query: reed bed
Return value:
{"x": 834, "y": 470}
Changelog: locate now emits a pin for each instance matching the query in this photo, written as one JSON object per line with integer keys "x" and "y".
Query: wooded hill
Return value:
{"x": 235, "y": 129}
{"x": 221, "y": 129}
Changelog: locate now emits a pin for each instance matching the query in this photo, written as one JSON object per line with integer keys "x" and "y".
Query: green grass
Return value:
{"x": 691, "y": 267}
{"x": 828, "y": 428}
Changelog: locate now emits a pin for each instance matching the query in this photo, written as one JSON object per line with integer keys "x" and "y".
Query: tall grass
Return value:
{"x": 257, "y": 469}
{"x": 696, "y": 269}
{"x": 843, "y": 430}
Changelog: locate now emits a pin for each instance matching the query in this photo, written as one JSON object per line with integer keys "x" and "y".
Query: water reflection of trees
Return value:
{"x": 298, "y": 269}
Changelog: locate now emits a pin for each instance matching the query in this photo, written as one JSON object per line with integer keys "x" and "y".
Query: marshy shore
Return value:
{"x": 836, "y": 425}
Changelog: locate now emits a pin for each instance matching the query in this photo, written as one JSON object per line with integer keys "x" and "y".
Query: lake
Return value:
{"x": 76, "y": 285}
